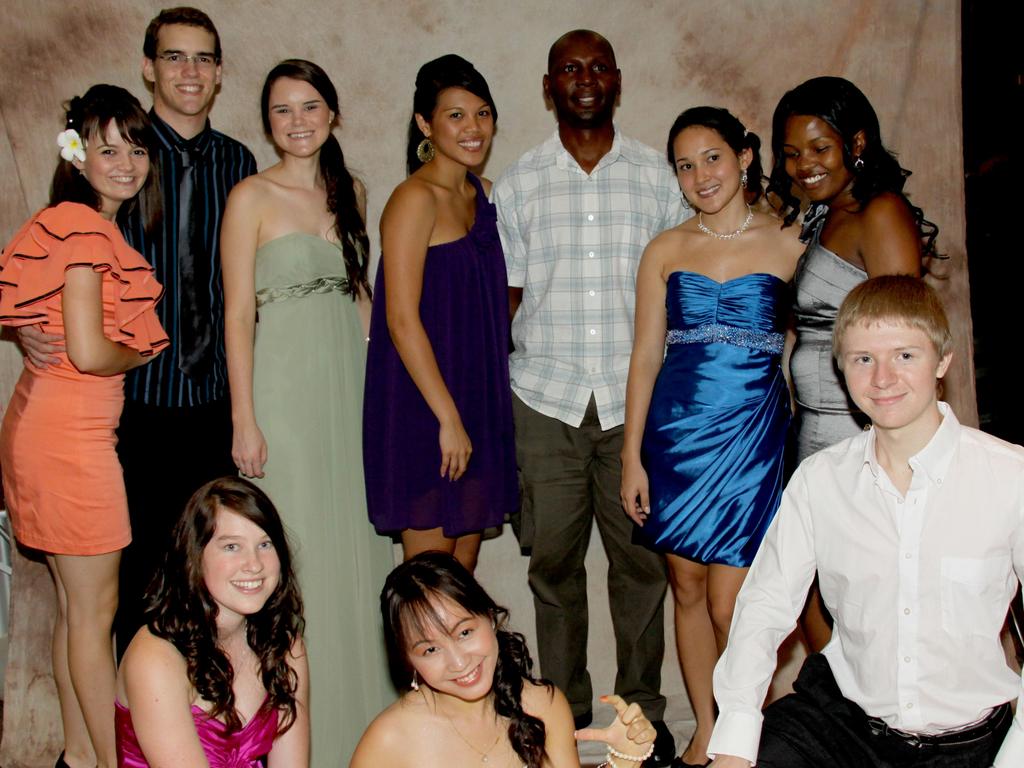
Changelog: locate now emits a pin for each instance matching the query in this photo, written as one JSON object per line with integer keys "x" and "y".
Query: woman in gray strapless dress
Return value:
{"x": 825, "y": 412}
{"x": 827, "y": 142}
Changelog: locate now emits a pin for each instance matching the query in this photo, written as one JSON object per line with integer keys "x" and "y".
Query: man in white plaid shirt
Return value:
{"x": 575, "y": 214}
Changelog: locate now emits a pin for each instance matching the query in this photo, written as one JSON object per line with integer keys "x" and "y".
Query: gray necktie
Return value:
{"x": 195, "y": 329}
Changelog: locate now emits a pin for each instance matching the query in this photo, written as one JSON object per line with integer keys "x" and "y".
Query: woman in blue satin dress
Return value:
{"x": 706, "y": 422}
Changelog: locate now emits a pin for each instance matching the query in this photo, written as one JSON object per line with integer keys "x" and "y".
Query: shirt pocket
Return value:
{"x": 974, "y": 595}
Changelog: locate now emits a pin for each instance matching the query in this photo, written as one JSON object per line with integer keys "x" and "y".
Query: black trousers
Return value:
{"x": 816, "y": 726}
{"x": 166, "y": 454}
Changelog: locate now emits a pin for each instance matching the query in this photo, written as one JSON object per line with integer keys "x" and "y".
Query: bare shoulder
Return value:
{"x": 887, "y": 214}
{"x": 887, "y": 207}
{"x": 667, "y": 242}
{"x": 385, "y": 742}
{"x": 152, "y": 663}
{"x": 146, "y": 649}
{"x": 252, "y": 188}
{"x": 784, "y": 241}
{"x": 545, "y": 701}
{"x": 413, "y": 197}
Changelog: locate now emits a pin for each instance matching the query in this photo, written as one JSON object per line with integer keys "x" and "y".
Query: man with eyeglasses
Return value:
{"x": 175, "y": 431}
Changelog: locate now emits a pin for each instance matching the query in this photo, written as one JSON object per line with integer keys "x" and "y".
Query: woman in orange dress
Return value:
{"x": 69, "y": 269}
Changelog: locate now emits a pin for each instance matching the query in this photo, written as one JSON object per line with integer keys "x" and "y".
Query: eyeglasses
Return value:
{"x": 201, "y": 60}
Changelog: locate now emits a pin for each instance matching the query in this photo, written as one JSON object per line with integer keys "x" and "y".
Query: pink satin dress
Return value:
{"x": 240, "y": 749}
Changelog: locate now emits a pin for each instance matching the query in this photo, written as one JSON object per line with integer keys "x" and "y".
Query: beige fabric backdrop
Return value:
{"x": 904, "y": 54}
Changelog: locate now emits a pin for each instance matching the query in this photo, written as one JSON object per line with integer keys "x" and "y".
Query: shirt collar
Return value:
{"x": 172, "y": 140}
{"x": 934, "y": 459}
{"x": 566, "y": 161}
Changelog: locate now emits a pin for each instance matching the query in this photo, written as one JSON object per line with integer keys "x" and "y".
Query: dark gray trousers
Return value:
{"x": 570, "y": 476}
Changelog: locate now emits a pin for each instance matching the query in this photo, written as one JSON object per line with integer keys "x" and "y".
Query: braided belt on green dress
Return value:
{"x": 320, "y": 285}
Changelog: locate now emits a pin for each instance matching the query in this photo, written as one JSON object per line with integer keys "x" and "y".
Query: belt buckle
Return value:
{"x": 911, "y": 740}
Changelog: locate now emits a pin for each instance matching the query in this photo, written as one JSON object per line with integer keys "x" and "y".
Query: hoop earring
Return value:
{"x": 858, "y": 163}
{"x": 414, "y": 684}
{"x": 425, "y": 151}
{"x": 743, "y": 178}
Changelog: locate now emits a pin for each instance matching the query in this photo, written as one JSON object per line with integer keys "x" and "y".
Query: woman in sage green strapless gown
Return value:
{"x": 294, "y": 280}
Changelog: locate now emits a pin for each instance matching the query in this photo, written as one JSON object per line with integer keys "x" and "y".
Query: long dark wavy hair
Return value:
{"x": 733, "y": 132}
{"x": 406, "y": 606}
{"x": 847, "y": 110}
{"x": 90, "y": 115}
{"x": 341, "y": 188}
{"x": 181, "y": 610}
{"x": 448, "y": 71}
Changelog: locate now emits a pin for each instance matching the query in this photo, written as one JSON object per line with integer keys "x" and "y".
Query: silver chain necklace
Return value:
{"x": 718, "y": 235}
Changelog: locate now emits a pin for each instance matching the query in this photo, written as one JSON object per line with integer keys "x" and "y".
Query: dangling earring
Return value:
{"x": 415, "y": 683}
{"x": 425, "y": 151}
{"x": 858, "y": 163}
{"x": 743, "y": 178}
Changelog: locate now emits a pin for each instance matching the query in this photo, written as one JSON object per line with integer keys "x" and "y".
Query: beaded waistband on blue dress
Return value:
{"x": 728, "y": 334}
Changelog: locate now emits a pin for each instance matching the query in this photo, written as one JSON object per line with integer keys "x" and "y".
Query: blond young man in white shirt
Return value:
{"x": 916, "y": 529}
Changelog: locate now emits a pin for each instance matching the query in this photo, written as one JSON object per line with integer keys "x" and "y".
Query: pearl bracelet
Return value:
{"x": 613, "y": 752}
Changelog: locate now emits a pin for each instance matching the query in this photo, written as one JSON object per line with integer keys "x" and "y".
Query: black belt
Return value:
{"x": 973, "y": 733}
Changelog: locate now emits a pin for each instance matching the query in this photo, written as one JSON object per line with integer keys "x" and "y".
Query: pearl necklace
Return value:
{"x": 718, "y": 235}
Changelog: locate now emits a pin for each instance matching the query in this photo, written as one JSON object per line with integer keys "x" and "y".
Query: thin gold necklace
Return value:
{"x": 483, "y": 754}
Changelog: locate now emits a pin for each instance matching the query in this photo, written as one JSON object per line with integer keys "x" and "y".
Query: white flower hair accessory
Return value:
{"x": 71, "y": 145}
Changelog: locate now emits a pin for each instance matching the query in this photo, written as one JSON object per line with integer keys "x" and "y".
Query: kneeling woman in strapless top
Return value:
{"x": 473, "y": 699}
{"x": 218, "y": 677}
{"x": 706, "y": 423}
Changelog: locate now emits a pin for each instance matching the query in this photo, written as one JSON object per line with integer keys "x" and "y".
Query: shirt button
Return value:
{"x": 592, "y": 293}
{"x": 591, "y": 254}
{"x": 910, "y": 705}
{"x": 590, "y": 217}
{"x": 899, "y": 501}
{"x": 593, "y": 331}
{"x": 907, "y": 555}
{"x": 906, "y": 611}
{"x": 906, "y": 659}
{"x": 938, "y": 481}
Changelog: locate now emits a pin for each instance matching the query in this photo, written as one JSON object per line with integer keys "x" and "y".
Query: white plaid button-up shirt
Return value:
{"x": 573, "y": 242}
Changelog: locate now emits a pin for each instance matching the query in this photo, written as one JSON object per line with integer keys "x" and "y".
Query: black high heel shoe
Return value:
{"x": 60, "y": 761}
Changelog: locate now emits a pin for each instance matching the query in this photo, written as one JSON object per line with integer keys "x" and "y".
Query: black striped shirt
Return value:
{"x": 224, "y": 163}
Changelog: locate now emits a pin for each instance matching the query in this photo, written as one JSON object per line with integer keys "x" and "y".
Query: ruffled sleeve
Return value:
{"x": 68, "y": 235}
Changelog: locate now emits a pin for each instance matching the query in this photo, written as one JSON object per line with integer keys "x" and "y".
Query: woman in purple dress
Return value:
{"x": 218, "y": 676}
{"x": 437, "y": 421}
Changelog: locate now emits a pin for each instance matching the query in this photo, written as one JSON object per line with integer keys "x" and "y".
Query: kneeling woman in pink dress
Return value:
{"x": 218, "y": 676}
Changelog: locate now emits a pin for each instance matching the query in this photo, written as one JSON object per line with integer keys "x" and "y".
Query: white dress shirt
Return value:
{"x": 918, "y": 585}
{"x": 573, "y": 242}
